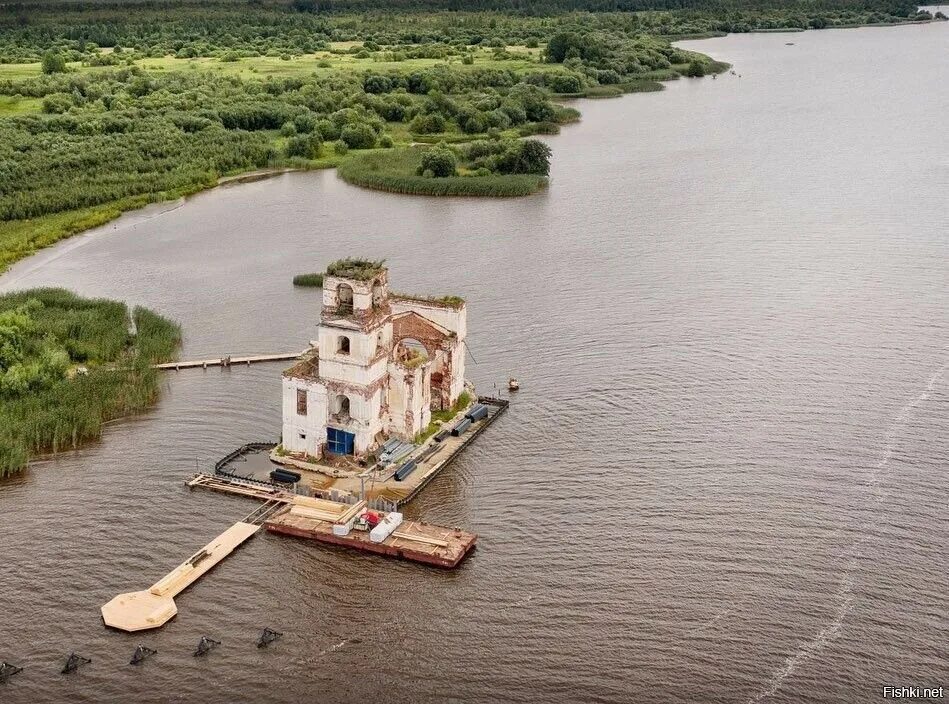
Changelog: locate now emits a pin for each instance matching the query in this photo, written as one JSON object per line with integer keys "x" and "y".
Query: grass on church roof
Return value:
{"x": 353, "y": 268}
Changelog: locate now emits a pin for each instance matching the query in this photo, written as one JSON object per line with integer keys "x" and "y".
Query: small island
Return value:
{"x": 69, "y": 364}
{"x": 492, "y": 168}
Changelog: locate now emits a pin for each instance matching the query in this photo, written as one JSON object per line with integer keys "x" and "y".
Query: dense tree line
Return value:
{"x": 116, "y": 134}
{"x": 242, "y": 29}
{"x": 113, "y": 133}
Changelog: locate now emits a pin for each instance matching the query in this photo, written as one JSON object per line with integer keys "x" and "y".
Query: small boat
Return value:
{"x": 513, "y": 384}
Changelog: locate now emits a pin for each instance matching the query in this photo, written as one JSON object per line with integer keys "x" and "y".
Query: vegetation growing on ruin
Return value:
{"x": 109, "y": 106}
{"x": 68, "y": 365}
{"x": 450, "y": 301}
{"x": 439, "y": 418}
{"x": 313, "y": 280}
{"x": 356, "y": 268}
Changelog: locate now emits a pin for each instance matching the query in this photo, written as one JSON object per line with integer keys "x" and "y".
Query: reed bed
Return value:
{"x": 312, "y": 280}
{"x": 116, "y": 351}
{"x": 394, "y": 171}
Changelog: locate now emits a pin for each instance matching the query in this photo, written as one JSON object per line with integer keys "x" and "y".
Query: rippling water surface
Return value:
{"x": 724, "y": 479}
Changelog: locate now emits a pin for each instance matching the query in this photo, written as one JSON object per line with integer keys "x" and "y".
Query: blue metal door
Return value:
{"x": 339, "y": 442}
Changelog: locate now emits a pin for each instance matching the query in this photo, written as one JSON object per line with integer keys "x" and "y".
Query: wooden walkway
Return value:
{"x": 155, "y": 606}
{"x": 230, "y": 361}
{"x": 228, "y": 485}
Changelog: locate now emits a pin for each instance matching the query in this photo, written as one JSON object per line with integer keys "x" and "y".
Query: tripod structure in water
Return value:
{"x": 267, "y": 637}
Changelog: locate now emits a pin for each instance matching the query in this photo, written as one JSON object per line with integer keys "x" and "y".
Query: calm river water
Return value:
{"x": 724, "y": 479}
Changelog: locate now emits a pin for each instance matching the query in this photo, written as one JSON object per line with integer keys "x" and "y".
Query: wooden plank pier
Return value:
{"x": 155, "y": 606}
{"x": 230, "y": 361}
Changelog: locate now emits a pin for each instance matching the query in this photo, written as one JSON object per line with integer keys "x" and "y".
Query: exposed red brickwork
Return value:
{"x": 434, "y": 339}
{"x": 366, "y": 392}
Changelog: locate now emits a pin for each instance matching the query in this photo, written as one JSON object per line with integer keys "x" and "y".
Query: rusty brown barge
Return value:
{"x": 415, "y": 541}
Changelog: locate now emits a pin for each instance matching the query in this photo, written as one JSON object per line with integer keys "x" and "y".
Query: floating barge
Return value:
{"x": 397, "y": 482}
{"x": 413, "y": 540}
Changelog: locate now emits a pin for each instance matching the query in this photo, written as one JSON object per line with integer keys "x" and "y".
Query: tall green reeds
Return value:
{"x": 394, "y": 170}
{"x": 314, "y": 280}
{"x": 111, "y": 376}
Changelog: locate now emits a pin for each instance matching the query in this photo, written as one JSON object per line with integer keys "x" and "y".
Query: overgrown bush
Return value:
{"x": 439, "y": 160}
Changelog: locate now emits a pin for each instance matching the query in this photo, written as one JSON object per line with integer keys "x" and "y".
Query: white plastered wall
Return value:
{"x": 304, "y": 434}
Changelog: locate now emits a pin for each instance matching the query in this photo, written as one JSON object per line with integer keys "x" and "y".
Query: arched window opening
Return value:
{"x": 342, "y": 406}
{"x": 377, "y": 294}
{"x": 342, "y": 345}
{"x": 344, "y": 298}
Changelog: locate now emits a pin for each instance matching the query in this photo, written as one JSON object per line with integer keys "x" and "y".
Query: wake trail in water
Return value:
{"x": 338, "y": 646}
{"x": 844, "y": 594}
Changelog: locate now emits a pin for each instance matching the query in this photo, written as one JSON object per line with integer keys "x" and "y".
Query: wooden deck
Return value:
{"x": 231, "y": 485}
{"x": 155, "y": 606}
{"x": 230, "y": 361}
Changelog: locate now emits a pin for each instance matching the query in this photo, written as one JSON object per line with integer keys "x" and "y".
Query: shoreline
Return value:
{"x": 82, "y": 221}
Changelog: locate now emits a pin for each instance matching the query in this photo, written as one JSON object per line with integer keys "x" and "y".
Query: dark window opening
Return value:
{"x": 344, "y": 297}
{"x": 301, "y": 402}
{"x": 342, "y": 346}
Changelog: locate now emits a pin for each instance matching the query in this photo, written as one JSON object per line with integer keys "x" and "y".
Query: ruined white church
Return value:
{"x": 382, "y": 363}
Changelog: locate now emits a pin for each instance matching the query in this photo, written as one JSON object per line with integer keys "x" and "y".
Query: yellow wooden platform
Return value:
{"x": 139, "y": 611}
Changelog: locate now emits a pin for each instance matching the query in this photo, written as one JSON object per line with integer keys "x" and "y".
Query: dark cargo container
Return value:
{"x": 477, "y": 412}
{"x": 284, "y": 477}
{"x": 461, "y": 427}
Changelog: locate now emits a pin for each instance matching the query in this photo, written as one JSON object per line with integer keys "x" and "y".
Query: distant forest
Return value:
{"x": 108, "y": 105}
{"x": 525, "y": 7}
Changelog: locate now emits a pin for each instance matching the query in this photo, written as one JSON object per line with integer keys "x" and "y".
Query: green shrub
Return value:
{"x": 306, "y": 146}
{"x": 358, "y": 136}
{"x": 315, "y": 280}
{"x": 53, "y": 62}
{"x": 428, "y": 124}
{"x": 696, "y": 69}
{"x": 44, "y": 331}
{"x": 440, "y": 161}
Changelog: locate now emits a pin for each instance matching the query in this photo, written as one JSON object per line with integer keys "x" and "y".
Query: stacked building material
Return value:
{"x": 477, "y": 412}
{"x": 405, "y": 470}
{"x": 395, "y": 452}
{"x": 385, "y": 527}
{"x": 461, "y": 426}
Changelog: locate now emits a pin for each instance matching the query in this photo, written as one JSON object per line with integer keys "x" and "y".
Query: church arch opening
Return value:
{"x": 344, "y": 299}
